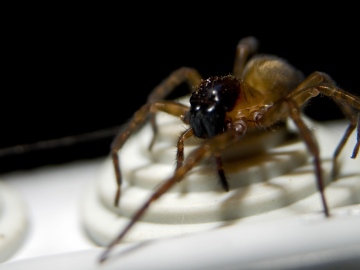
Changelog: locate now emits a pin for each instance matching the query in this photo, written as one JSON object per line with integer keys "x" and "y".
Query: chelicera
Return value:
{"x": 263, "y": 91}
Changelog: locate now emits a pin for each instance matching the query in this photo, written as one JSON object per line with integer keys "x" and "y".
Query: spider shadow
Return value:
{"x": 244, "y": 189}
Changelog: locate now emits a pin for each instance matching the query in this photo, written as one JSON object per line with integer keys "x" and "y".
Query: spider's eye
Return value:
{"x": 207, "y": 123}
{"x": 209, "y": 104}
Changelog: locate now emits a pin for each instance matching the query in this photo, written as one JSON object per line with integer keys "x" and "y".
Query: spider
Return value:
{"x": 262, "y": 91}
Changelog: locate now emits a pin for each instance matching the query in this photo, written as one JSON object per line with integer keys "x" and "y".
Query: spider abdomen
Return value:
{"x": 272, "y": 76}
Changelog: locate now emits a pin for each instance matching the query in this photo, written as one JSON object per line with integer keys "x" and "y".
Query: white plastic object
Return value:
{"x": 13, "y": 221}
{"x": 297, "y": 236}
{"x": 306, "y": 241}
{"x": 274, "y": 183}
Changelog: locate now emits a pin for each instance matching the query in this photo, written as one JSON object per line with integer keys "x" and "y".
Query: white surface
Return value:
{"x": 54, "y": 197}
{"x": 13, "y": 221}
{"x": 302, "y": 242}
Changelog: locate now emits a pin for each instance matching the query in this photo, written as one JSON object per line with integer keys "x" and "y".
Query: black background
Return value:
{"x": 66, "y": 74}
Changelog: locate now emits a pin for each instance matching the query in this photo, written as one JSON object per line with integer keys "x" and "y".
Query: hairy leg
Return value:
{"x": 245, "y": 48}
{"x": 208, "y": 148}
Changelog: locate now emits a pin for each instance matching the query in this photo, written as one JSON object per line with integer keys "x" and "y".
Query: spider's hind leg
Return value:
{"x": 354, "y": 120}
{"x": 356, "y": 147}
{"x": 315, "y": 84}
{"x": 319, "y": 82}
{"x": 350, "y": 106}
{"x": 244, "y": 49}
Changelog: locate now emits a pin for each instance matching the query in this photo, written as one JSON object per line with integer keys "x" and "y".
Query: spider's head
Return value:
{"x": 209, "y": 103}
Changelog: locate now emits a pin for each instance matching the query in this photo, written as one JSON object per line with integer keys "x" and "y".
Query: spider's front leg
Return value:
{"x": 155, "y": 103}
{"x": 184, "y": 74}
{"x": 180, "y": 146}
{"x": 211, "y": 147}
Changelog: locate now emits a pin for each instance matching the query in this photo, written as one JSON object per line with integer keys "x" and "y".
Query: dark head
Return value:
{"x": 209, "y": 103}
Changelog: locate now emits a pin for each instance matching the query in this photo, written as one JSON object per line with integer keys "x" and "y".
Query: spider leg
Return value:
{"x": 313, "y": 147}
{"x": 244, "y": 49}
{"x": 180, "y": 158}
{"x": 353, "y": 119}
{"x": 288, "y": 107}
{"x": 180, "y": 147}
{"x": 208, "y": 148}
{"x": 184, "y": 74}
{"x": 315, "y": 84}
{"x": 356, "y": 148}
{"x": 136, "y": 121}
{"x": 178, "y": 76}
{"x": 154, "y": 103}
{"x": 170, "y": 107}
{"x": 221, "y": 173}
{"x": 319, "y": 82}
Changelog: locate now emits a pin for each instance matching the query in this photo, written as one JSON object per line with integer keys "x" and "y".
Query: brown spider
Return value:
{"x": 262, "y": 91}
